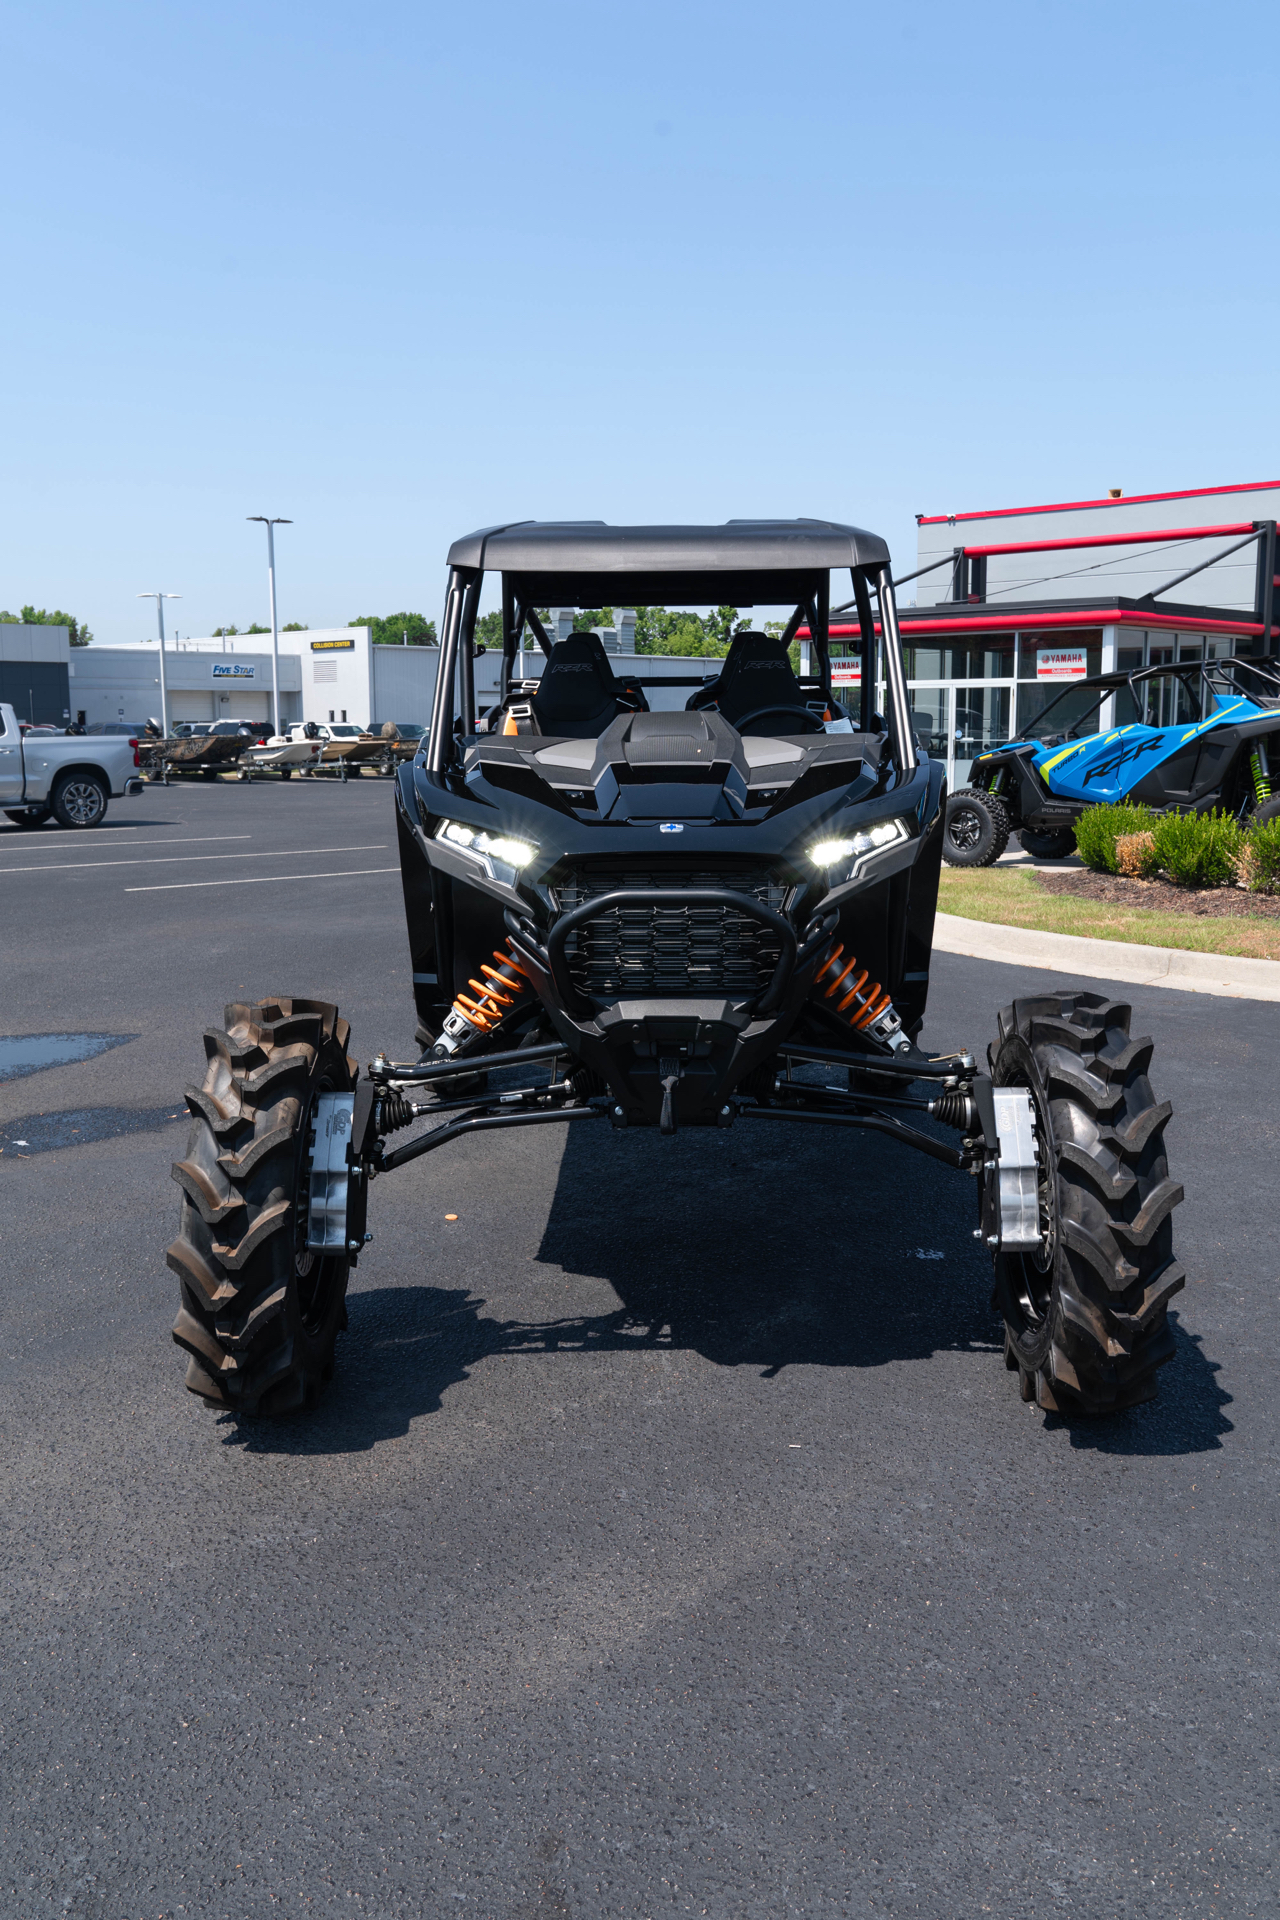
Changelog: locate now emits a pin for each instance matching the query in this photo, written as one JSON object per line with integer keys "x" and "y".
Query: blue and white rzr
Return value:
{"x": 1218, "y": 751}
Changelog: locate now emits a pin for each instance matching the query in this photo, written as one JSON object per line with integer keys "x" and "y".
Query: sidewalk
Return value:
{"x": 1222, "y": 973}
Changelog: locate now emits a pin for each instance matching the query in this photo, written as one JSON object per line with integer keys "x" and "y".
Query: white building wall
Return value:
{"x": 123, "y": 683}
{"x": 1125, "y": 570}
{"x": 337, "y": 674}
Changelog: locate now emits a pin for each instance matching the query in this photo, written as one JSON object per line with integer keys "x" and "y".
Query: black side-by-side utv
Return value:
{"x": 651, "y": 919}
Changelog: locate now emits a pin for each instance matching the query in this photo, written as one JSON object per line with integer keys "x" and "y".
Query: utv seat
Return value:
{"x": 758, "y": 693}
{"x": 708, "y": 695}
{"x": 577, "y": 695}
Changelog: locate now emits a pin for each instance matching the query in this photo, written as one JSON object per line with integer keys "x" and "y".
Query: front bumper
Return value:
{"x": 670, "y": 1060}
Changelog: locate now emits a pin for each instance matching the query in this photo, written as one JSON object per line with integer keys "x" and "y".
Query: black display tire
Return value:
{"x": 260, "y": 1316}
{"x": 977, "y": 829}
{"x": 1086, "y": 1320}
{"x": 27, "y": 816}
{"x": 1048, "y": 846}
{"x": 1269, "y": 810}
{"x": 78, "y": 801}
{"x": 208, "y": 773}
{"x": 286, "y": 773}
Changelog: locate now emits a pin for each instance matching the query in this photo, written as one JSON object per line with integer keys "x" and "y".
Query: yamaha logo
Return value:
{"x": 671, "y": 826}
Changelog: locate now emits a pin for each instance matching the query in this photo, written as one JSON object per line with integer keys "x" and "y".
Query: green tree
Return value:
{"x": 78, "y": 634}
{"x": 255, "y": 628}
{"x": 489, "y": 630}
{"x": 722, "y": 623}
{"x": 593, "y": 619}
{"x": 397, "y": 629}
{"x": 295, "y": 626}
{"x": 659, "y": 630}
{"x": 224, "y": 633}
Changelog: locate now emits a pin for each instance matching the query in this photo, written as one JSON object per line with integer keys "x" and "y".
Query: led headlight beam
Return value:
{"x": 486, "y": 846}
{"x": 860, "y": 846}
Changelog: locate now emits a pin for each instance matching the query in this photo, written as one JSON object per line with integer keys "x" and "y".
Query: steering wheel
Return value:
{"x": 797, "y": 719}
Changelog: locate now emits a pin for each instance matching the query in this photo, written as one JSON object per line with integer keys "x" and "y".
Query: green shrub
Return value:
{"x": 1198, "y": 849}
{"x": 1098, "y": 828}
{"x": 1258, "y": 863}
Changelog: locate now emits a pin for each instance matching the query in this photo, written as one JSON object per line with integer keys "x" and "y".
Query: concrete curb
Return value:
{"x": 1223, "y": 973}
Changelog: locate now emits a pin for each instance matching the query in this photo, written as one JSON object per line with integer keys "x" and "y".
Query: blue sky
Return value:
{"x": 399, "y": 271}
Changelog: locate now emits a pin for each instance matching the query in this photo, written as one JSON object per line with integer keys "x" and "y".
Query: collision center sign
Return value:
{"x": 1061, "y": 663}
{"x": 333, "y": 646}
{"x": 233, "y": 670}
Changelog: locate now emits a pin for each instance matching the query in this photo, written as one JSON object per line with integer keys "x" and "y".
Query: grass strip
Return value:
{"x": 1012, "y": 897}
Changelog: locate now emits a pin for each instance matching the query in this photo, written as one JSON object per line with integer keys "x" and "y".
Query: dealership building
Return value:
{"x": 325, "y": 674}
{"x": 1014, "y": 603}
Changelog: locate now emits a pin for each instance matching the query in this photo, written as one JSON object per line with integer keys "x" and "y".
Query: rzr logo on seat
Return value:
{"x": 572, "y": 666}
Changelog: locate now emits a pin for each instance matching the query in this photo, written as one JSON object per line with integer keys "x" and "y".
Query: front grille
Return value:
{"x": 646, "y": 952}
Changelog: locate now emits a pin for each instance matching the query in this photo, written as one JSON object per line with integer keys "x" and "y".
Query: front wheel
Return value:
{"x": 977, "y": 829}
{"x": 1086, "y": 1314}
{"x": 79, "y": 800}
{"x": 1048, "y": 846}
{"x": 260, "y": 1313}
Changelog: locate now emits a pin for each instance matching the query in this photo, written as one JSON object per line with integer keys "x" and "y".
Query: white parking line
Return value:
{"x": 259, "y": 880}
{"x": 191, "y": 859}
{"x": 24, "y": 841}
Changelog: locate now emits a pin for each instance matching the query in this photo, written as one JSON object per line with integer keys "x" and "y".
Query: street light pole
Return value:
{"x": 271, "y": 525}
{"x": 160, "y": 599}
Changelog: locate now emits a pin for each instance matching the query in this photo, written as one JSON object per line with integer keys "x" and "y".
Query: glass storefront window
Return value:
{"x": 1075, "y": 713}
{"x": 925, "y": 663}
{"x": 930, "y": 710}
{"x": 988, "y": 657}
{"x": 981, "y": 721}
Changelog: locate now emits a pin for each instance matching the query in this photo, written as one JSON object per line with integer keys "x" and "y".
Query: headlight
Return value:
{"x": 486, "y": 847}
{"x": 859, "y": 846}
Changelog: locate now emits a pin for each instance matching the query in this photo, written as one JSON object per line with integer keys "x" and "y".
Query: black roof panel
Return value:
{"x": 561, "y": 548}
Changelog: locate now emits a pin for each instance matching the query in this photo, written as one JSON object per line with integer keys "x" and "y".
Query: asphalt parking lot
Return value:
{"x": 672, "y": 1539}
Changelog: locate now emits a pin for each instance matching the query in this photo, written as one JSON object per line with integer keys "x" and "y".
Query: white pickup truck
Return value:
{"x": 68, "y": 777}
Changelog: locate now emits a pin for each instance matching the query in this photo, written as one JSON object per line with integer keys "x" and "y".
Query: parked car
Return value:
{"x": 64, "y": 777}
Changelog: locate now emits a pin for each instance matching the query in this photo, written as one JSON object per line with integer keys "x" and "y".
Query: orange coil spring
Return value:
{"x": 501, "y": 988}
{"x": 862, "y": 1000}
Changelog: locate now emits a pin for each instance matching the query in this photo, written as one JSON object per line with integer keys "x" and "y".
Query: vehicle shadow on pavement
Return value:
{"x": 1186, "y": 1417}
{"x": 752, "y": 1252}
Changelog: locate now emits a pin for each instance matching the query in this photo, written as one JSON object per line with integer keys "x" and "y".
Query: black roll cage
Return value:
{"x": 455, "y": 679}
{"x": 1184, "y": 670}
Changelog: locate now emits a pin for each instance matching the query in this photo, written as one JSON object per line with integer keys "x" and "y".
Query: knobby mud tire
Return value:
{"x": 1086, "y": 1326}
{"x": 260, "y": 1316}
{"x": 981, "y": 826}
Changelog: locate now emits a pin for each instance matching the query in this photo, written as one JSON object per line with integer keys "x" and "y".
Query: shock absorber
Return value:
{"x": 859, "y": 1000}
{"x": 502, "y": 988}
{"x": 1259, "y": 766}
